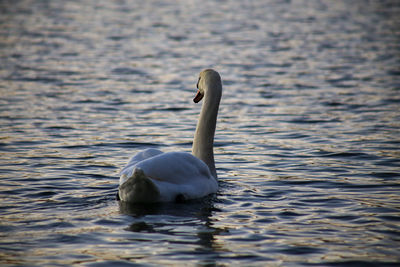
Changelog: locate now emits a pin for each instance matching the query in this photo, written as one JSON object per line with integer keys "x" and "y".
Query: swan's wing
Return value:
{"x": 127, "y": 171}
{"x": 143, "y": 155}
{"x": 173, "y": 174}
{"x": 175, "y": 168}
{"x": 178, "y": 173}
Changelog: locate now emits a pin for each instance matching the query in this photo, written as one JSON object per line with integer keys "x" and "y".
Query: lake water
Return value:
{"x": 307, "y": 145}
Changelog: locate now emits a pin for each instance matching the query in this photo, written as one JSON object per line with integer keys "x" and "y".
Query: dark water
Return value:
{"x": 307, "y": 144}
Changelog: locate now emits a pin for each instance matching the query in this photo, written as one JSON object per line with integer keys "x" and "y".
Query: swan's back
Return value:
{"x": 165, "y": 176}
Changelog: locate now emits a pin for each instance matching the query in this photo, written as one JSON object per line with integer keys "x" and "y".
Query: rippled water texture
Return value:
{"x": 307, "y": 143}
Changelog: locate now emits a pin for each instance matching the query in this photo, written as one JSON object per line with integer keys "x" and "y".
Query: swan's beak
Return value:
{"x": 198, "y": 97}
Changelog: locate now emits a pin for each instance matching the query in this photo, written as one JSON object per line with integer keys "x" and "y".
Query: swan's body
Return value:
{"x": 154, "y": 176}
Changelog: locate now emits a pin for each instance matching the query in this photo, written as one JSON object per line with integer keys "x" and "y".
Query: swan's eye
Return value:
{"x": 197, "y": 85}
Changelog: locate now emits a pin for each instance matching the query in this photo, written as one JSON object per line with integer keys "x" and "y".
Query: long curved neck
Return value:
{"x": 203, "y": 142}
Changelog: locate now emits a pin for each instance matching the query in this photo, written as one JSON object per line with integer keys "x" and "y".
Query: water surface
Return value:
{"x": 307, "y": 142}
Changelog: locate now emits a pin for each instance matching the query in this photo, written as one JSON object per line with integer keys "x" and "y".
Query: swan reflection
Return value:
{"x": 184, "y": 226}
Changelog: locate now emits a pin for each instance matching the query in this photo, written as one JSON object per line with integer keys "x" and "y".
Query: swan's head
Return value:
{"x": 208, "y": 80}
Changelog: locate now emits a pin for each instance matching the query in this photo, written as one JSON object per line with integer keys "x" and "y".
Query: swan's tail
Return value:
{"x": 139, "y": 189}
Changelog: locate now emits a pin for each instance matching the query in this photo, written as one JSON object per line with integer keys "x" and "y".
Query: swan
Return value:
{"x": 154, "y": 176}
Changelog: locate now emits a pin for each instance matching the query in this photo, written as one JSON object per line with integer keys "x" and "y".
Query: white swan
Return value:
{"x": 154, "y": 176}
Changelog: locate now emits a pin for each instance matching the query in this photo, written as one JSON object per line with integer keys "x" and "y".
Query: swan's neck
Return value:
{"x": 203, "y": 142}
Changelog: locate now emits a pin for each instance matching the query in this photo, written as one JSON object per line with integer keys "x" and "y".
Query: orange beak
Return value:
{"x": 198, "y": 97}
